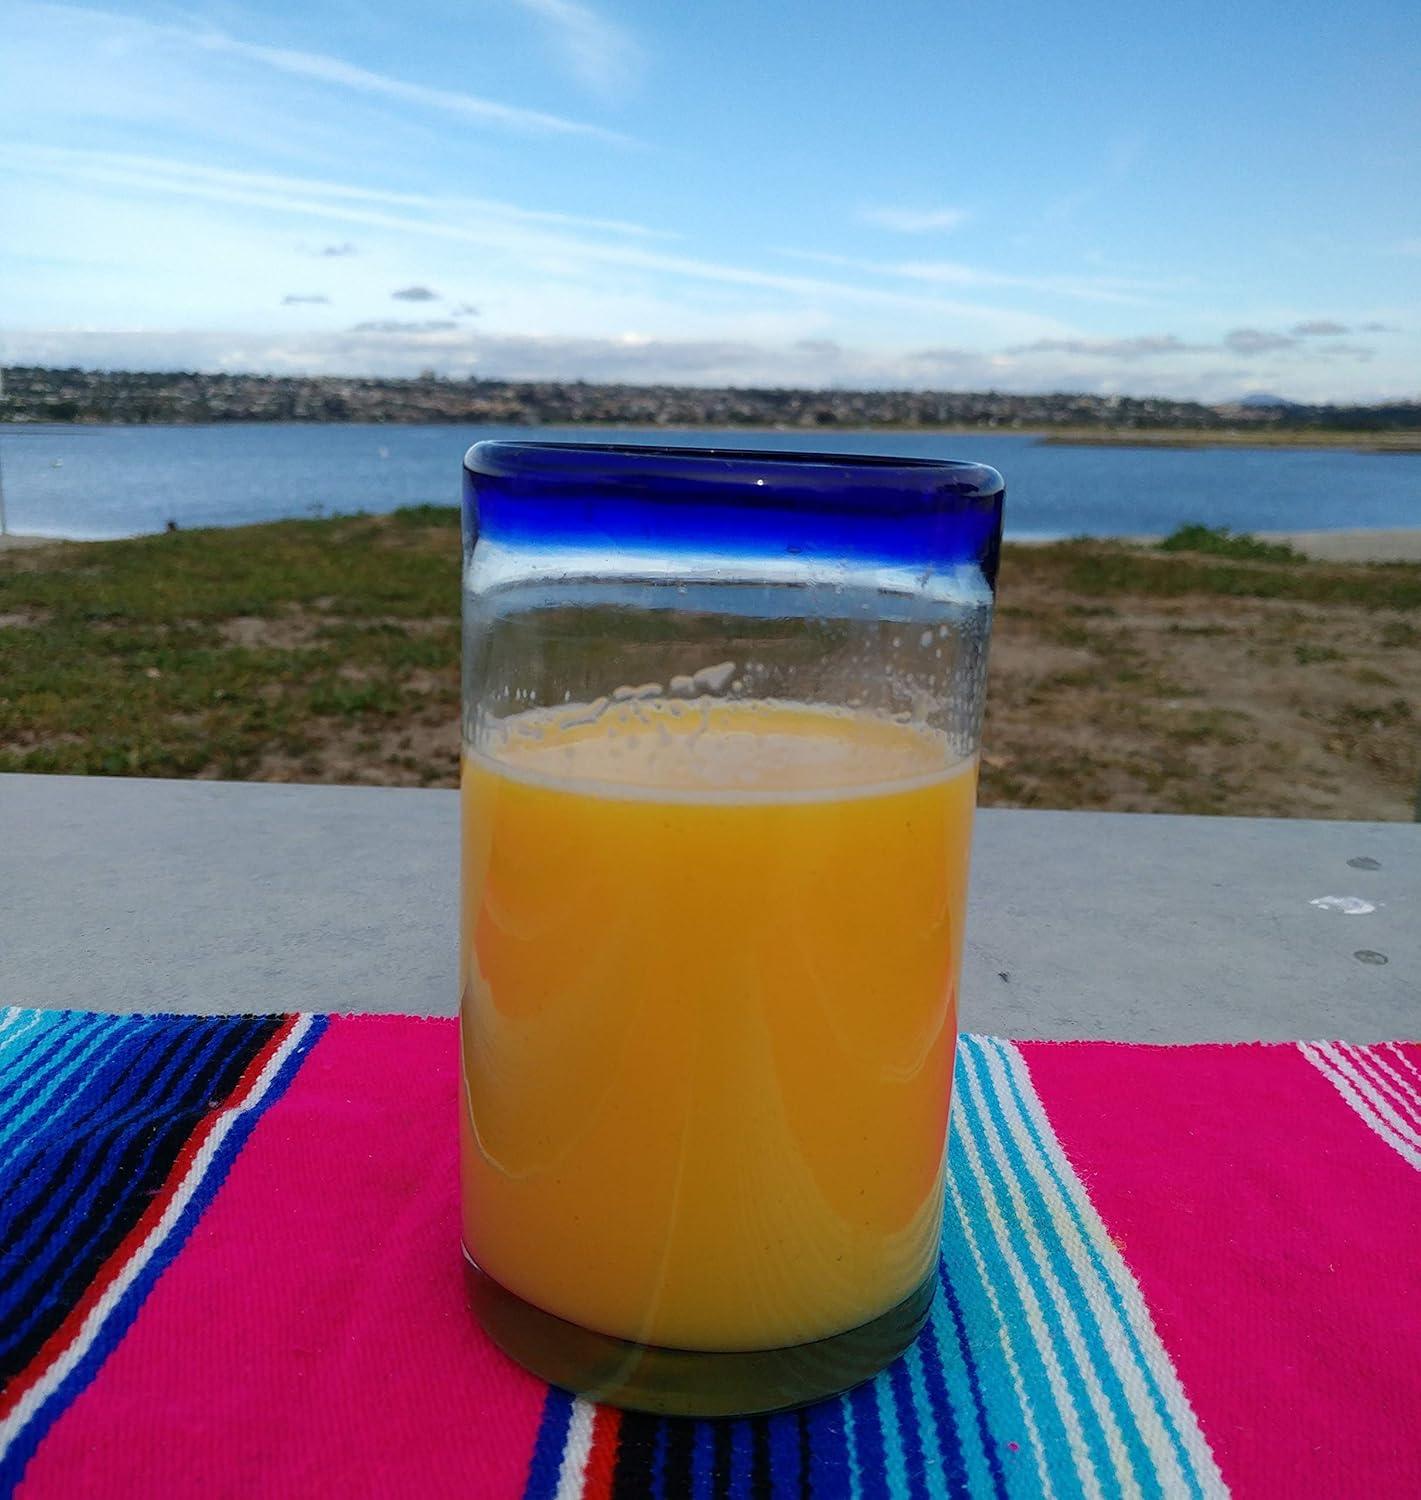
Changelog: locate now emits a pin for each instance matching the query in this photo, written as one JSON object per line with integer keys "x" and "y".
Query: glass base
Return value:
{"x": 688, "y": 1382}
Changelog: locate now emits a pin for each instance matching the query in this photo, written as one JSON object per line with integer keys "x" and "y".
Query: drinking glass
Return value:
{"x": 720, "y": 726}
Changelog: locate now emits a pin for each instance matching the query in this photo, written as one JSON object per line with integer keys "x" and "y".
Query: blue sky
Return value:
{"x": 1189, "y": 201}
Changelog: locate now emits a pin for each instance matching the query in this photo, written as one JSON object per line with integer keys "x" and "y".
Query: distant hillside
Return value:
{"x": 1261, "y": 398}
{"x": 35, "y": 394}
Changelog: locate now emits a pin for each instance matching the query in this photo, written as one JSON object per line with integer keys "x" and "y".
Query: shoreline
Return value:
{"x": 1350, "y": 440}
{"x": 1393, "y": 544}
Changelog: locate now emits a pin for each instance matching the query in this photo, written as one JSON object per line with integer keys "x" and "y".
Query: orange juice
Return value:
{"x": 709, "y": 971}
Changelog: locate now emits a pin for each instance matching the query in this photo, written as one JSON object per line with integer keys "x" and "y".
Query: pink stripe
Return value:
{"x": 1274, "y": 1237}
{"x": 312, "y": 1337}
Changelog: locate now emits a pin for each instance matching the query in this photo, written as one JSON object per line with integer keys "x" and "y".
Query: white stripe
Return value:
{"x": 1359, "y": 1094}
{"x": 577, "y": 1449}
{"x": 1070, "y": 1323}
{"x": 1373, "y": 1094}
{"x": 89, "y": 1330}
{"x": 1042, "y": 1151}
{"x": 1392, "y": 1083}
{"x": 1041, "y": 1335}
{"x": 1003, "y": 1338}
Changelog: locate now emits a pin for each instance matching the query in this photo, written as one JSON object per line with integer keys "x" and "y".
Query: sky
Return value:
{"x": 1188, "y": 201}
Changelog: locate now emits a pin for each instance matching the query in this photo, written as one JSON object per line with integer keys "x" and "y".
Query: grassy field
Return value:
{"x": 1211, "y": 674}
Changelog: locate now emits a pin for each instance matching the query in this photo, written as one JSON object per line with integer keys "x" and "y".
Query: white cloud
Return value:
{"x": 598, "y": 52}
{"x": 914, "y": 220}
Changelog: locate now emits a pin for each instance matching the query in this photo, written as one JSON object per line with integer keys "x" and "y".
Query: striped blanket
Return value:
{"x": 229, "y": 1267}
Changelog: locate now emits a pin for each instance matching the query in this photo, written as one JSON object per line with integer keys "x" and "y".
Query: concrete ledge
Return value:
{"x": 209, "y": 896}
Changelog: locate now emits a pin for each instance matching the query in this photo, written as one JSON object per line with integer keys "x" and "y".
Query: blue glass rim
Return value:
{"x": 783, "y": 472}
{"x": 822, "y": 509}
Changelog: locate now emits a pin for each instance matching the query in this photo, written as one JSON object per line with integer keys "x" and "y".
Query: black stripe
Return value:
{"x": 720, "y": 1471}
{"x": 680, "y": 1448}
{"x": 632, "y": 1479}
{"x": 126, "y": 1152}
{"x": 761, "y": 1476}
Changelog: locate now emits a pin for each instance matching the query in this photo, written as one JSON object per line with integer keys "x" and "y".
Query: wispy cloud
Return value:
{"x": 1140, "y": 347}
{"x": 415, "y": 294}
{"x": 329, "y": 252}
{"x": 955, "y": 273}
{"x": 598, "y": 52}
{"x": 1240, "y": 342}
{"x": 398, "y": 325}
{"x": 914, "y": 220}
{"x": 295, "y": 299}
{"x": 531, "y": 241}
{"x": 321, "y": 67}
{"x": 167, "y": 174}
{"x": 1318, "y": 328}
{"x": 1256, "y": 341}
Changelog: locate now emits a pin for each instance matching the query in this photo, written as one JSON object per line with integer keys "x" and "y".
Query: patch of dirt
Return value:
{"x": 423, "y": 751}
{"x": 1256, "y": 706}
{"x": 285, "y": 632}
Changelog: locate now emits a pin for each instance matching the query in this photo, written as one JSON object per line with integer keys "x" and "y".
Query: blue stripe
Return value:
{"x": 830, "y": 1461}
{"x": 993, "y": 1460}
{"x": 548, "y": 1447}
{"x": 43, "y": 1082}
{"x": 98, "y": 1103}
{"x": 120, "y": 1319}
{"x": 1098, "y": 1261}
{"x": 658, "y": 1462}
{"x": 742, "y": 1460}
{"x": 37, "y": 1242}
{"x": 782, "y": 1432}
{"x": 1092, "y": 1428}
{"x": 871, "y": 1467}
{"x": 907, "y": 1472}
{"x": 47, "y": 1239}
{"x": 703, "y": 1461}
{"x": 941, "y": 1413}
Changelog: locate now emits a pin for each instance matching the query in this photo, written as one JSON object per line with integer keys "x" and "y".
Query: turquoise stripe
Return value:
{"x": 985, "y": 1326}
{"x": 1097, "y": 1352}
{"x": 925, "y": 1421}
{"x": 1097, "y": 1260}
{"x": 851, "y": 1442}
{"x": 894, "y": 1448}
{"x": 1043, "y": 1398}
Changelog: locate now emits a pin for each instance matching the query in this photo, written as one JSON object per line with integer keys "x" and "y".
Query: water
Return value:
{"x": 94, "y": 482}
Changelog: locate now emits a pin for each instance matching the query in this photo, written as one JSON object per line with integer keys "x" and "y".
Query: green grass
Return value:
{"x": 124, "y": 666}
{"x": 329, "y": 649}
{"x": 1219, "y": 541}
{"x": 1100, "y": 570}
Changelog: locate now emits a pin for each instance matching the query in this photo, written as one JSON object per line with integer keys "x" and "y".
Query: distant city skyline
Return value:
{"x": 1100, "y": 199}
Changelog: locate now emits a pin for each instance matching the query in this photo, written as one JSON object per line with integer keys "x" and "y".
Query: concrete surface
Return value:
{"x": 202, "y": 896}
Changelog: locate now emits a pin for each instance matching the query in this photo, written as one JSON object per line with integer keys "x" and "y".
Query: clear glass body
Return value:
{"x": 721, "y": 717}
